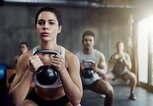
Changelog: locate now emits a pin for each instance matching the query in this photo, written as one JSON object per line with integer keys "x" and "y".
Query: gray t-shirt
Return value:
{"x": 94, "y": 56}
{"x": 119, "y": 67}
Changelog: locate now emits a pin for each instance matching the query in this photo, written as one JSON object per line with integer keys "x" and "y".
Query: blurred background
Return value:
{"x": 111, "y": 20}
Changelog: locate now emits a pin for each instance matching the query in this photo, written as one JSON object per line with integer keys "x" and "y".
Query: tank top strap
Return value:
{"x": 62, "y": 52}
{"x": 35, "y": 49}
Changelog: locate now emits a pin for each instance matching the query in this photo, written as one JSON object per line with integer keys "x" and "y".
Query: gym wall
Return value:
{"x": 17, "y": 24}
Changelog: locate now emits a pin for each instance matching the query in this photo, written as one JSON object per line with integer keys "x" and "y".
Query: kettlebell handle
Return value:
{"x": 52, "y": 52}
{"x": 88, "y": 61}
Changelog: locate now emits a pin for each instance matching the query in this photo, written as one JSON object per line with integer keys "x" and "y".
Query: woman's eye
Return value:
{"x": 51, "y": 23}
{"x": 40, "y": 23}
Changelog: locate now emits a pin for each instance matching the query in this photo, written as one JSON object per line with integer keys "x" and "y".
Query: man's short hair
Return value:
{"x": 88, "y": 33}
{"x": 25, "y": 43}
{"x": 119, "y": 42}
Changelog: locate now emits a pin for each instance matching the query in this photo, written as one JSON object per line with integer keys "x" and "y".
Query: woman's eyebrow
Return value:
{"x": 51, "y": 20}
{"x": 40, "y": 20}
{"x": 47, "y": 20}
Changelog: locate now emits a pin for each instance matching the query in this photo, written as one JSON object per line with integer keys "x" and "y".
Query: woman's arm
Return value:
{"x": 22, "y": 81}
{"x": 70, "y": 77}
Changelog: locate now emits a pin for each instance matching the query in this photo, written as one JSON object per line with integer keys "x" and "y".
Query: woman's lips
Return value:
{"x": 44, "y": 34}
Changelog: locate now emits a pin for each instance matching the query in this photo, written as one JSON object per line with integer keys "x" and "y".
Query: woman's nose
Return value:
{"x": 46, "y": 26}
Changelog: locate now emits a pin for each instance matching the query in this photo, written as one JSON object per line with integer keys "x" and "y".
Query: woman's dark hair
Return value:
{"x": 88, "y": 33}
{"x": 49, "y": 9}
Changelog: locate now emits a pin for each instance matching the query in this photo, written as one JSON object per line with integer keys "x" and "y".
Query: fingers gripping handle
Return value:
{"x": 88, "y": 63}
{"x": 35, "y": 62}
{"x": 46, "y": 74}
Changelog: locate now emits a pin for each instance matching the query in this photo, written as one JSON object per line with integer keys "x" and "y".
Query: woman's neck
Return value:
{"x": 49, "y": 45}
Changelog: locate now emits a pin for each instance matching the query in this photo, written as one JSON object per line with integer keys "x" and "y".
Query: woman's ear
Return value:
{"x": 60, "y": 29}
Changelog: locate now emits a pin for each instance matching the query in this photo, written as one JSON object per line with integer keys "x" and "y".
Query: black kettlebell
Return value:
{"x": 87, "y": 73}
{"x": 46, "y": 74}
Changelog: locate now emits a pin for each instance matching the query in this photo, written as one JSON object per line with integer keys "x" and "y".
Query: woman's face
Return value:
{"x": 47, "y": 26}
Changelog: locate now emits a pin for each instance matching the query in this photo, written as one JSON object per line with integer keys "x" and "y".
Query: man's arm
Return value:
{"x": 127, "y": 61}
{"x": 102, "y": 62}
{"x": 112, "y": 61}
{"x": 101, "y": 68}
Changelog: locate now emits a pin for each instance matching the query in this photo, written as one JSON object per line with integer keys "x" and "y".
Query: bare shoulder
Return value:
{"x": 71, "y": 58}
{"x": 69, "y": 55}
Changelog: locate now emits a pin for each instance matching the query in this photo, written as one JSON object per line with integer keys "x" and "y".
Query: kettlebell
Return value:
{"x": 46, "y": 74}
{"x": 88, "y": 71}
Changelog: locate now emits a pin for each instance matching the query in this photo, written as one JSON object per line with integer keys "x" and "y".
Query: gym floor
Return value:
{"x": 144, "y": 98}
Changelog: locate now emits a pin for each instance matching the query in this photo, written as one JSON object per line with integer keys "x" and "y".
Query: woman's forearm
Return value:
{"x": 73, "y": 92}
{"x": 18, "y": 93}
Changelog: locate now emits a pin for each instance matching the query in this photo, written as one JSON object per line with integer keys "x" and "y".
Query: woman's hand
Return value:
{"x": 59, "y": 62}
{"x": 35, "y": 63}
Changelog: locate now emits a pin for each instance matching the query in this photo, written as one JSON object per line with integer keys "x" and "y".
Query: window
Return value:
{"x": 145, "y": 50}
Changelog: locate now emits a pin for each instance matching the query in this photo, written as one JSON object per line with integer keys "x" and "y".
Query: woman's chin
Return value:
{"x": 45, "y": 39}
